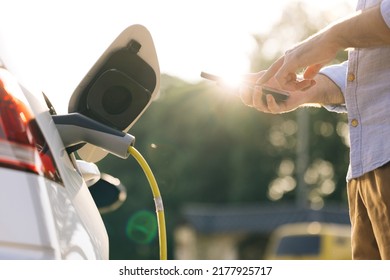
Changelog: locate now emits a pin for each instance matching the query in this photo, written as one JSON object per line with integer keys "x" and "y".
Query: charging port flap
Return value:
{"x": 120, "y": 86}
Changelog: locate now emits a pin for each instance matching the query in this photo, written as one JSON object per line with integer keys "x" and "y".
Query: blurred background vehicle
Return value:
{"x": 310, "y": 241}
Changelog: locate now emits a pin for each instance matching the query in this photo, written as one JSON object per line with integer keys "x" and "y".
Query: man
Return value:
{"x": 361, "y": 88}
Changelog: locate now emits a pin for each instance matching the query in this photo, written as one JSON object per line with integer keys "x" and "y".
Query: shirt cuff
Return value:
{"x": 385, "y": 10}
{"x": 337, "y": 73}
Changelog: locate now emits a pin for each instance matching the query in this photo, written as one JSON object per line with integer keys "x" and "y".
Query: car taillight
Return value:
{"x": 22, "y": 145}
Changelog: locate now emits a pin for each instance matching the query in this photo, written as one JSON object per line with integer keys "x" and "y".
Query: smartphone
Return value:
{"x": 280, "y": 96}
{"x": 210, "y": 77}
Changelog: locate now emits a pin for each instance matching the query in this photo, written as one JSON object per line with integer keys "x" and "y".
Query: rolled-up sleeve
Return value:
{"x": 385, "y": 10}
{"x": 337, "y": 73}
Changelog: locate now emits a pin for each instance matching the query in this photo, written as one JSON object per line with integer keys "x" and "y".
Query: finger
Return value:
{"x": 296, "y": 85}
{"x": 287, "y": 79}
{"x": 247, "y": 86}
{"x": 273, "y": 107}
{"x": 251, "y": 78}
{"x": 257, "y": 100}
{"x": 246, "y": 94}
{"x": 272, "y": 70}
{"x": 311, "y": 71}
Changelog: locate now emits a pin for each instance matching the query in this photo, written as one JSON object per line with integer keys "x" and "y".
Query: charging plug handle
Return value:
{"x": 76, "y": 129}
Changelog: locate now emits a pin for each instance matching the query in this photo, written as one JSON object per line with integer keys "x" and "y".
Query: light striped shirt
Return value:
{"x": 365, "y": 82}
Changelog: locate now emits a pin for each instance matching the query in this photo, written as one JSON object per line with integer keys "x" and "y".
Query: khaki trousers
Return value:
{"x": 369, "y": 204}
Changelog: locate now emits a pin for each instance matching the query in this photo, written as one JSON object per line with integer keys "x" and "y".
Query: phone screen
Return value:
{"x": 279, "y": 95}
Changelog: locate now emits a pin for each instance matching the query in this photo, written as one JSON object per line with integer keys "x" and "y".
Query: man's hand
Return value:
{"x": 323, "y": 92}
{"x": 310, "y": 55}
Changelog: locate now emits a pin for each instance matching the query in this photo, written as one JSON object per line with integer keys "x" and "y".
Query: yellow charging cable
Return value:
{"x": 157, "y": 200}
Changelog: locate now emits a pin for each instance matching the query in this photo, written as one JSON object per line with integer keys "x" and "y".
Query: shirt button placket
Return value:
{"x": 351, "y": 77}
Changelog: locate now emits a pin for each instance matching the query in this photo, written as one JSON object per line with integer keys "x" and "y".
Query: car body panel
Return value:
{"x": 41, "y": 219}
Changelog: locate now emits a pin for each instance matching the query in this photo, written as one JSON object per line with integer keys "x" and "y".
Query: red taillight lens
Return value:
{"x": 22, "y": 145}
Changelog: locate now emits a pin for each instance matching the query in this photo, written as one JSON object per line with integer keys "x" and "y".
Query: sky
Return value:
{"x": 50, "y": 45}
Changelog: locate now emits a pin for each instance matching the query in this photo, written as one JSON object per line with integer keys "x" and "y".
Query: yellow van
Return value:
{"x": 310, "y": 241}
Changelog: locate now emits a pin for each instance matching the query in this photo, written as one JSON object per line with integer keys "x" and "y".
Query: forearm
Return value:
{"x": 363, "y": 30}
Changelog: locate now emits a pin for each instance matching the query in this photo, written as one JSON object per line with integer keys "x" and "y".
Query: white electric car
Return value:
{"x": 47, "y": 210}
